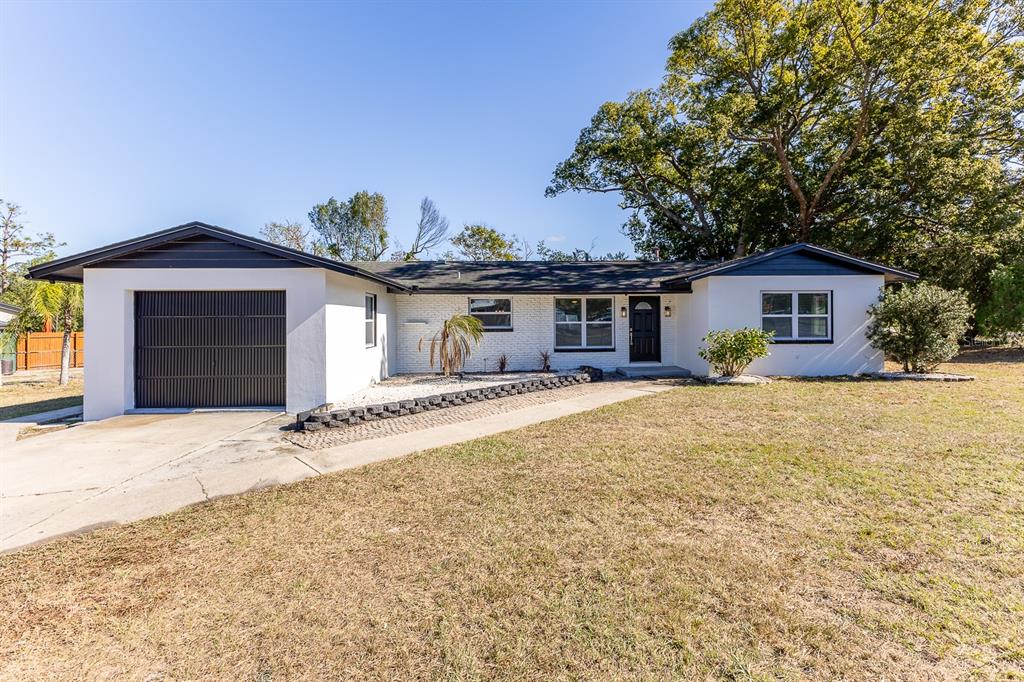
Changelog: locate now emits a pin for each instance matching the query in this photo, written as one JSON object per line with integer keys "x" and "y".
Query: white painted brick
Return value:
{"x": 533, "y": 321}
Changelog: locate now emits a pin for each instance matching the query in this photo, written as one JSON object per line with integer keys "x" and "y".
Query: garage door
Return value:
{"x": 209, "y": 348}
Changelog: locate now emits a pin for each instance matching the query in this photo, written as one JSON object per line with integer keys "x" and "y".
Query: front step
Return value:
{"x": 653, "y": 372}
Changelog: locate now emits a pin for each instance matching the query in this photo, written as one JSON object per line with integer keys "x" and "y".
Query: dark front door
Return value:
{"x": 644, "y": 329}
{"x": 209, "y": 348}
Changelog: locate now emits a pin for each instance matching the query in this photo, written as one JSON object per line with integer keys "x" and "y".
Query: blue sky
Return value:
{"x": 118, "y": 119}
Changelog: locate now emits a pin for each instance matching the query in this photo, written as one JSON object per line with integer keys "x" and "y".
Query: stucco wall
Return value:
{"x": 110, "y": 318}
{"x": 735, "y": 302}
{"x": 533, "y": 321}
{"x": 351, "y": 365}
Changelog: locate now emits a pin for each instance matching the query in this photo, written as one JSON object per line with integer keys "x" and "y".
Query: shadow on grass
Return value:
{"x": 985, "y": 355}
{"x": 22, "y": 409}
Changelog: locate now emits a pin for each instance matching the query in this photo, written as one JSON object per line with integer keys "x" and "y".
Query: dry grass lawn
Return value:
{"x": 804, "y": 529}
{"x": 38, "y": 391}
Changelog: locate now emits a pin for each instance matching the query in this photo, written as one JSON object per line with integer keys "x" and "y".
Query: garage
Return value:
{"x": 210, "y": 349}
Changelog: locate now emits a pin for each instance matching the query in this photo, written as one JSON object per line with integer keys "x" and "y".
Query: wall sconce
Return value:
{"x": 622, "y": 311}
{"x": 668, "y": 311}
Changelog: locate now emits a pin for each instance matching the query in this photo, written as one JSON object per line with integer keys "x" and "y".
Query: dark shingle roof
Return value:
{"x": 737, "y": 264}
{"x": 532, "y": 276}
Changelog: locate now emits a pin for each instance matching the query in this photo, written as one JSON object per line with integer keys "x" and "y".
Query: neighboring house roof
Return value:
{"x": 532, "y": 276}
{"x": 193, "y": 245}
{"x": 8, "y": 308}
{"x": 796, "y": 259}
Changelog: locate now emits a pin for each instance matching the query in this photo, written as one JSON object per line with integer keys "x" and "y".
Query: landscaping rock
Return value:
{"x": 340, "y": 415}
{"x": 741, "y": 380}
{"x": 313, "y": 426}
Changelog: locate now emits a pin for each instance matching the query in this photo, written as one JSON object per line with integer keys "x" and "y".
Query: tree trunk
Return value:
{"x": 65, "y": 359}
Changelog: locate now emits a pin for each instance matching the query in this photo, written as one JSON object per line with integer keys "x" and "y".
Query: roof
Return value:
{"x": 69, "y": 268}
{"x": 8, "y": 308}
{"x": 747, "y": 264}
{"x": 533, "y": 276}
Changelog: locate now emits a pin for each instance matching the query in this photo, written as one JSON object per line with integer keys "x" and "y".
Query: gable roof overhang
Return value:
{"x": 735, "y": 266}
{"x": 69, "y": 268}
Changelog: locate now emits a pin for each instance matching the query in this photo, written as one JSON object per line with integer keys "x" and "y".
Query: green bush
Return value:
{"x": 919, "y": 325}
{"x": 730, "y": 351}
{"x": 1003, "y": 314}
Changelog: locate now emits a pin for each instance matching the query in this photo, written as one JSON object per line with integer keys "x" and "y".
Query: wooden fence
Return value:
{"x": 41, "y": 350}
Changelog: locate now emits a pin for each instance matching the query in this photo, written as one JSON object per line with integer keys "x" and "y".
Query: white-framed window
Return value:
{"x": 584, "y": 322}
{"x": 797, "y": 315}
{"x": 370, "y": 319}
{"x": 494, "y": 313}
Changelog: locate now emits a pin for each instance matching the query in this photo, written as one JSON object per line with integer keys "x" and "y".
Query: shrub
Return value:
{"x": 919, "y": 325}
{"x": 502, "y": 363}
{"x": 545, "y": 361}
{"x": 730, "y": 351}
{"x": 1003, "y": 314}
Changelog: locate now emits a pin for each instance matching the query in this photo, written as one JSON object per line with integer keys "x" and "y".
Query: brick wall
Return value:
{"x": 533, "y": 330}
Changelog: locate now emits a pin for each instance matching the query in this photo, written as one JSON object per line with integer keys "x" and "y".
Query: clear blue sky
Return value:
{"x": 118, "y": 119}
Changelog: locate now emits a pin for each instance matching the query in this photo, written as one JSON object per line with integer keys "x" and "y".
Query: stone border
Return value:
{"x": 315, "y": 420}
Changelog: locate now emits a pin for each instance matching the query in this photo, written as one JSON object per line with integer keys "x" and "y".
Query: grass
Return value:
{"x": 803, "y": 529}
{"x": 37, "y": 391}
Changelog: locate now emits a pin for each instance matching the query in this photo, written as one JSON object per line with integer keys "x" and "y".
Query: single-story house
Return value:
{"x": 200, "y": 316}
{"x": 7, "y": 313}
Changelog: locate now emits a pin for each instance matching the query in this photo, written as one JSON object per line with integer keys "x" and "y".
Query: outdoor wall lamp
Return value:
{"x": 668, "y": 311}
{"x": 622, "y": 311}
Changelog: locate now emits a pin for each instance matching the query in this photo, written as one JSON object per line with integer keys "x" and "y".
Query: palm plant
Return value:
{"x": 57, "y": 301}
{"x": 451, "y": 346}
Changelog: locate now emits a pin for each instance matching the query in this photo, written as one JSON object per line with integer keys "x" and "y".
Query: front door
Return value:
{"x": 644, "y": 329}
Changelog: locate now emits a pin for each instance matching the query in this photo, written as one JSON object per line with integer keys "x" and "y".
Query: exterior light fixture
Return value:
{"x": 668, "y": 311}
{"x": 622, "y": 311}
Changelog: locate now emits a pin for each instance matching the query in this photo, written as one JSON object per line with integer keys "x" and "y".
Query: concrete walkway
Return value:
{"x": 10, "y": 428}
{"x": 137, "y": 466}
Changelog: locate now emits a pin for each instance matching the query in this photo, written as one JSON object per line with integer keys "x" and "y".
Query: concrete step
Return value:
{"x": 653, "y": 371}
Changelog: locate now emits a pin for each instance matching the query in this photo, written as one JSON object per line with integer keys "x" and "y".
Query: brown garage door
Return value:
{"x": 209, "y": 348}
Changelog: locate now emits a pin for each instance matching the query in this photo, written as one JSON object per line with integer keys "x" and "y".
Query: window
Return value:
{"x": 797, "y": 315}
{"x": 494, "y": 313}
{"x": 370, "y": 307}
{"x": 584, "y": 323}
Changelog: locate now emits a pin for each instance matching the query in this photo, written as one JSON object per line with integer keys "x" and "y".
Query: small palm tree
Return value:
{"x": 57, "y": 301}
{"x": 451, "y": 345}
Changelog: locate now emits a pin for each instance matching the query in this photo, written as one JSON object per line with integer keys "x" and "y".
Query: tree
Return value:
{"x": 431, "y": 232}
{"x": 61, "y": 302}
{"x": 890, "y": 130}
{"x": 576, "y": 255}
{"x": 480, "y": 242}
{"x": 451, "y": 346}
{"x": 1003, "y": 314}
{"x": 919, "y": 325}
{"x": 355, "y": 229}
{"x": 293, "y": 235}
{"x": 16, "y": 247}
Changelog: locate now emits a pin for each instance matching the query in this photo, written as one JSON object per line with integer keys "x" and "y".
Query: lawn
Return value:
{"x": 37, "y": 391}
{"x": 803, "y": 529}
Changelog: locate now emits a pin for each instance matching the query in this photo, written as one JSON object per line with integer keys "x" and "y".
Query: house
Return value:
{"x": 200, "y": 316}
{"x": 7, "y": 313}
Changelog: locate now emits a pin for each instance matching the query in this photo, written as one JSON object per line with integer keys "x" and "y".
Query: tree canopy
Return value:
{"x": 480, "y": 242}
{"x": 889, "y": 130}
{"x": 354, "y": 229}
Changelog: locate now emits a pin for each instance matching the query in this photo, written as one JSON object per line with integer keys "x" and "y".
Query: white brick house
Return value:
{"x": 199, "y": 316}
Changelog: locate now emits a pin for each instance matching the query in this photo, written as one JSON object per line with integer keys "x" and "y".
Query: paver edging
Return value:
{"x": 323, "y": 418}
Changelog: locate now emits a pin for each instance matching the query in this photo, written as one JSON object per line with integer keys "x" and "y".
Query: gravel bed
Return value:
{"x": 411, "y": 386}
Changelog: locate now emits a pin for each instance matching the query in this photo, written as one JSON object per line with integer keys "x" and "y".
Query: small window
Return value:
{"x": 494, "y": 313}
{"x": 584, "y": 323}
{"x": 797, "y": 315}
{"x": 370, "y": 309}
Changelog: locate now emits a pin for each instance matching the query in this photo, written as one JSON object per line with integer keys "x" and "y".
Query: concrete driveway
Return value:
{"x": 131, "y": 467}
{"x": 136, "y": 466}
